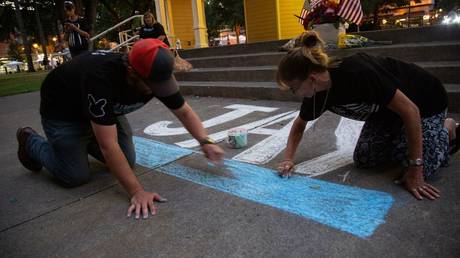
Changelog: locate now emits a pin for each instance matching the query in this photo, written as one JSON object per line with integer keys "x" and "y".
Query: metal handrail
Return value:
{"x": 116, "y": 26}
{"x": 124, "y": 43}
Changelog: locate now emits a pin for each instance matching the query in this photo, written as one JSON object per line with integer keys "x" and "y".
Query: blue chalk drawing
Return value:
{"x": 351, "y": 209}
{"x": 153, "y": 154}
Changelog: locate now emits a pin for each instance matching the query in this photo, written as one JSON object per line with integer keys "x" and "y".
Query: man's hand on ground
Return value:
{"x": 415, "y": 184}
{"x": 213, "y": 152}
{"x": 143, "y": 201}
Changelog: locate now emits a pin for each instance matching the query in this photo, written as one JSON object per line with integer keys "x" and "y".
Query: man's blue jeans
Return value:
{"x": 65, "y": 153}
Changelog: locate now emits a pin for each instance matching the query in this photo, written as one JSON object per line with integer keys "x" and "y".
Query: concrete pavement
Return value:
{"x": 204, "y": 218}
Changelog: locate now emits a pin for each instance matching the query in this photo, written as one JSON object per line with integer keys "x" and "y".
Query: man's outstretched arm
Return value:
{"x": 193, "y": 124}
{"x": 115, "y": 159}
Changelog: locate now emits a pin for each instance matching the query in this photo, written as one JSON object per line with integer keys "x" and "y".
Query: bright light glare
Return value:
{"x": 454, "y": 19}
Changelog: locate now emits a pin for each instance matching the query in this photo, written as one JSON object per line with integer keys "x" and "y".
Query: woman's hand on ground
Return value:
{"x": 285, "y": 168}
{"x": 142, "y": 201}
{"x": 415, "y": 184}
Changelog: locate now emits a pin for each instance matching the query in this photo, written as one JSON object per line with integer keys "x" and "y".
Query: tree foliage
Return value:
{"x": 447, "y": 4}
{"x": 369, "y": 6}
{"x": 101, "y": 14}
{"x": 221, "y": 14}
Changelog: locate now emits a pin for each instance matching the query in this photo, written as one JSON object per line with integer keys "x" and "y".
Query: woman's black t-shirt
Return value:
{"x": 154, "y": 32}
{"x": 363, "y": 85}
{"x": 93, "y": 86}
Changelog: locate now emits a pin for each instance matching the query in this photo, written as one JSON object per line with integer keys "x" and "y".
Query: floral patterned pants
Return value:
{"x": 384, "y": 141}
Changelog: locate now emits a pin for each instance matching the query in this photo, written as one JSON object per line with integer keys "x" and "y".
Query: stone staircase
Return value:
{"x": 248, "y": 71}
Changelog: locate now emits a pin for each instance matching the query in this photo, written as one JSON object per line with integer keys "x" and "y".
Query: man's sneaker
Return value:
{"x": 22, "y": 135}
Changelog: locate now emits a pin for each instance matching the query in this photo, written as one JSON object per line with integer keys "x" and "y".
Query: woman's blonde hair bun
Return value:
{"x": 311, "y": 39}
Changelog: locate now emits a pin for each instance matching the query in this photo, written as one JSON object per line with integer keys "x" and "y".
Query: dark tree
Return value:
{"x": 24, "y": 37}
{"x": 222, "y": 14}
{"x": 41, "y": 34}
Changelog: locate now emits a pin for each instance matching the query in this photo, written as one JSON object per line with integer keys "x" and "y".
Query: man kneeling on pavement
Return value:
{"x": 83, "y": 103}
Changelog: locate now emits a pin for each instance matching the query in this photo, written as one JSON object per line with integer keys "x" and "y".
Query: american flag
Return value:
{"x": 315, "y": 3}
{"x": 351, "y": 10}
{"x": 307, "y": 8}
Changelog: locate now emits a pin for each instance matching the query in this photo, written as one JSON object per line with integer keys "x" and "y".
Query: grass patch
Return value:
{"x": 21, "y": 82}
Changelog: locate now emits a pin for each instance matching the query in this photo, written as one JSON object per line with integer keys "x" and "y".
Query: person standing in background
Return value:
{"x": 153, "y": 29}
{"x": 76, "y": 30}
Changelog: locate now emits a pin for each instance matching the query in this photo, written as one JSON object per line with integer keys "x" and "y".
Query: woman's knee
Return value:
{"x": 362, "y": 161}
{"x": 363, "y": 157}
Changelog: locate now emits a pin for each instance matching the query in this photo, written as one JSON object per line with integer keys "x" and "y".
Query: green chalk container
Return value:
{"x": 237, "y": 138}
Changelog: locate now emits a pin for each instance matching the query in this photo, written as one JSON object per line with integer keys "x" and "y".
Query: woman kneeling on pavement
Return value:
{"x": 403, "y": 106}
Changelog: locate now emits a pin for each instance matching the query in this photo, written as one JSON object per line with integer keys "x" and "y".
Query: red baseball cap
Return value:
{"x": 153, "y": 61}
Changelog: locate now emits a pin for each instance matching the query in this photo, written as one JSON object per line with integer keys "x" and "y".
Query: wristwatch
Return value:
{"x": 415, "y": 162}
{"x": 206, "y": 140}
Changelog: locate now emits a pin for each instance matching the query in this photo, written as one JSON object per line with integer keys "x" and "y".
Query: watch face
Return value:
{"x": 416, "y": 162}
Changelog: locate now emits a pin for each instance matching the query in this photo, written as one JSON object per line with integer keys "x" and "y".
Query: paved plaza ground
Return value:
{"x": 234, "y": 210}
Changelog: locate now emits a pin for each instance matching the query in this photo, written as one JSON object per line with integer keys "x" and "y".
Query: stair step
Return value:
{"x": 448, "y": 72}
{"x": 433, "y": 51}
{"x": 397, "y": 36}
{"x": 270, "y": 91}
{"x": 420, "y": 34}
{"x": 233, "y": 89}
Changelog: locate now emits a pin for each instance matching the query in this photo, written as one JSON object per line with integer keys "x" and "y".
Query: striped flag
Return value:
{"x": 351, "y": 10}
{"x": 315, "y": 3}
{"x": 307, "y": 8}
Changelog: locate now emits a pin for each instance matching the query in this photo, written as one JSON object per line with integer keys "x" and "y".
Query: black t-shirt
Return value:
{"x": 93, "y": 87}
{"x": 154, "y": 32}
{"x": 76, "y": 41}
{"x": 363, "y": 85}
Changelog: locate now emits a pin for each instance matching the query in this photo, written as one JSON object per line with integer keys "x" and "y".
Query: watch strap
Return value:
{"x": 206, "y": 140}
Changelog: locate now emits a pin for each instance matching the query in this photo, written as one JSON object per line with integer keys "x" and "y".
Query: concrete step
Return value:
{"x": 233, "y": 89}
{"x": 248, "y": 48}
{"x": 448, "y": 72}
{"x": 453, "y": 91}
{"x": 449, "y": 32}
{"x": 397, "y": 36}
{"x": 270, "y": 91}
{"x": 432, "y": 51}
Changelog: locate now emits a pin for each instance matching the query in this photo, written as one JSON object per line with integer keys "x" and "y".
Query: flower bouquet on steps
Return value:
{"x": 322, "y": 11}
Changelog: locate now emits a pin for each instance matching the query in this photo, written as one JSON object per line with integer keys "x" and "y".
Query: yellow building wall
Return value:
{"x": 261, "y": 20}
{"x": 289, "y": 24}
{"x": 182, "y": 22}
{"x": 265, "y": 20}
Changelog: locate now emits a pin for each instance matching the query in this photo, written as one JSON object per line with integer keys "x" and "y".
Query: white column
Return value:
{"x": 199, "y": 24}
{"x": 160, "y": 10}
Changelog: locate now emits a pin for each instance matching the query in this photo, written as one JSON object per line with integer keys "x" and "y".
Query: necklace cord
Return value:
{"x": 324, "y": 104}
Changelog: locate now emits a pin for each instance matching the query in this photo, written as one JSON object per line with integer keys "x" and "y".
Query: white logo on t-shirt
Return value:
{"x": 96, "y": 108}
{"x": 99, "y": 53}
{"x": 357, "y": 111}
